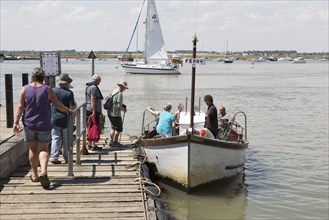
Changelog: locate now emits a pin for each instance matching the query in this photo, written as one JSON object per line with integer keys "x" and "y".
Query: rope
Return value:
{"x": 134, "y": 28}
{"x": 152, "y": 184}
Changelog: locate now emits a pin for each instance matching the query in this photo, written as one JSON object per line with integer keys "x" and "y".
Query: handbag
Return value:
{"x": 93, "y": 129}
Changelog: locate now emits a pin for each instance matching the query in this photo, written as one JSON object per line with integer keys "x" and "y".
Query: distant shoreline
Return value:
{"x": 240, "y": 56}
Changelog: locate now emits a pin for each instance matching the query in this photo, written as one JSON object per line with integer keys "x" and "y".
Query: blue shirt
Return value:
{"x": 60, "y": 119}
{"x": 165, "y": 123}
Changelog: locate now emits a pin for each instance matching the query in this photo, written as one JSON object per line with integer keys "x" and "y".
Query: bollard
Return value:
{"x": 9, "y": 100}
{"x": 25, "y": 79}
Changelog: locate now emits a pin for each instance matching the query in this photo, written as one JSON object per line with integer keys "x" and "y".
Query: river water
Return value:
{"x": 286, "y": 171}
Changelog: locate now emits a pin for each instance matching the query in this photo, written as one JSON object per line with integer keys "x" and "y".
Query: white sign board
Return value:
{"x": 50, "y": 63}
{"x": 195, "y": 61}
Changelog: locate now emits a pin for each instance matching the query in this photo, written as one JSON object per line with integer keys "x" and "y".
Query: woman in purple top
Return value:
{"x": 34, "y": 108}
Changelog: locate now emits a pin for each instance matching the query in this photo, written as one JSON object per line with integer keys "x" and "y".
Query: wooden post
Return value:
{"x": 195, "y": 40}
{"x": 92, "y": 66}
{"x": 25, "y": 79}
{"x": 92, "y": 57}
{"x": 9, "y": 100}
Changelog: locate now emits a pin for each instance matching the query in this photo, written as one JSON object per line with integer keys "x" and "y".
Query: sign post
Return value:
{"x": 50, "y": 62}
{"x": 92, "y": 57}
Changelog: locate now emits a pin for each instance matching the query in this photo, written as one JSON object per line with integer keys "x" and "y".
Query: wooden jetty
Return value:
{"x": 104, "y": 185}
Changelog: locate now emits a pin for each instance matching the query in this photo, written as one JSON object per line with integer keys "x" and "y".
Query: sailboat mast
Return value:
{"x": 147, "y": 27}
{"x": 195, "y": 40}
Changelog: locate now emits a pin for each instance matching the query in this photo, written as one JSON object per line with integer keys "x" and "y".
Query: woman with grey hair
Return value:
{"x": 166, "y": 121}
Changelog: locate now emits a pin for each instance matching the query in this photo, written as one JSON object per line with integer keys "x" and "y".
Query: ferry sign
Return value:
{"x": 195, "y": 61}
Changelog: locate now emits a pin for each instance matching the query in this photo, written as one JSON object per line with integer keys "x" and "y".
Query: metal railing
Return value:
{"x": 243, "y": 129}
{"x": 147, "y": 126}
{"x": 80, "y": 120}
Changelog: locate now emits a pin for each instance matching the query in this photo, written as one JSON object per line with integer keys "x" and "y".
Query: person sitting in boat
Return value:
{"x": 180, "y": 108}
{"x": 211, "y": 115}
{"x": 166, "y": 121}
{"x": 224, "y": 120}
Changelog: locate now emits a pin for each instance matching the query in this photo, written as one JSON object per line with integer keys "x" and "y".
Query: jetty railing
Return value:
{"x": 80, "y": 121}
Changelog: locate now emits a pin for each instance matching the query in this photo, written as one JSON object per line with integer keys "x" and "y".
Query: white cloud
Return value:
{"x": 107, "y": 25}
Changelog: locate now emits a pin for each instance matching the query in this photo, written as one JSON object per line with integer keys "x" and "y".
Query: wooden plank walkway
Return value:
{"x": 104, "y": 186}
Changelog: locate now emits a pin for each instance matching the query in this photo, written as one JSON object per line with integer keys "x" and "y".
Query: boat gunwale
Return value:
{"x": 168, "y": 70}
{"x": 165, "y": 141}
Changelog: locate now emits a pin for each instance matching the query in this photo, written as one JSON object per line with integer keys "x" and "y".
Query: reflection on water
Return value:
{"x": 286, "y": 171}
{"x": 225, "y": 200}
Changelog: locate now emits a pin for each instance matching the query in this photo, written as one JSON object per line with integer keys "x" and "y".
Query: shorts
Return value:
{"x": 116, "y": 123}
{"x": 37, "y": 136}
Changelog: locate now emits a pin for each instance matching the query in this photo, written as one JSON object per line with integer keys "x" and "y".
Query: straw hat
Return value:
{"x": 64, "y": 78}
{"x": 123, "y": 83}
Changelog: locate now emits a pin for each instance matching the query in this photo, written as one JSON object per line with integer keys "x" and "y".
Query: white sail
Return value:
{"x": 155, "y": 56}
{"x": 154, "y": 42}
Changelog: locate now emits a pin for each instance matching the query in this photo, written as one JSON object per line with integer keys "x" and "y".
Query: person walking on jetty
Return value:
{"x": 94, "y": 105}
{"x": 60, "y": 120}
{"x": 35, "y": 110}
{"x": 211, "y": 115}
{"x": 114, "y": 113}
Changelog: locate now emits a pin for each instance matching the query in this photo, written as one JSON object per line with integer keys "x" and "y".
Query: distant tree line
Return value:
{"x": 33, "y": 54}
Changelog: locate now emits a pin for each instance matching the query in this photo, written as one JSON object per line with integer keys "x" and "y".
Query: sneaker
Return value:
{"x": 96, "y": 148}
{"x": 111, "y": 143}
{"x": 116, "y": 143}
{"x": 66, "y": 161}
{"x": 55, "y": 161}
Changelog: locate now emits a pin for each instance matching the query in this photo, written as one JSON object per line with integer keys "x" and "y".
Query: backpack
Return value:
{"x": 107, "y": 102}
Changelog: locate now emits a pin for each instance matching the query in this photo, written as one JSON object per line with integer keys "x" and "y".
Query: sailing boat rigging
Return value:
{"x": 155, "y": 56}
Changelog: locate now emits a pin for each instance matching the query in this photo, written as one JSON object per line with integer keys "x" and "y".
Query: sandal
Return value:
{"x": 96, "y": 148}
{"x": 89, "y": 147}
{"x": 34, "y": 180}
{"x": 45, "y": 183}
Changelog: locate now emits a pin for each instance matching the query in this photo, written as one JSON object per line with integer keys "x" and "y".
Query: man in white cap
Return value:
{"x": 114, "y": 113}
{"x": 60, "y": 120}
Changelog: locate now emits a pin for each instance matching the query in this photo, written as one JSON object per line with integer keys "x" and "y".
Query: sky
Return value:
{"x": 220, "y": 25}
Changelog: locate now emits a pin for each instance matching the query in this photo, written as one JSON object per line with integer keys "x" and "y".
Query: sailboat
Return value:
{"x": 195, "y": 158}
{"x": 155, "y": 56}
{"x": 227, "y": 59}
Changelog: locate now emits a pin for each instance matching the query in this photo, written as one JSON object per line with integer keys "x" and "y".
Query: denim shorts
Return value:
{"x": 38, "y": 136}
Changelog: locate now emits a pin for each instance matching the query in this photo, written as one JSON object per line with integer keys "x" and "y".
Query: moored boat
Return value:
{"x": 195, "y": 158}
{"x": 191, "y": 161}
{"x": 155, "y": 59}
{"x": 299, "y": 60}
{"x": 228, "y": 60}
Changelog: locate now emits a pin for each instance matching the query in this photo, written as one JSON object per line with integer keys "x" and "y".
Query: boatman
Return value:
{"x": 211, "y": 116}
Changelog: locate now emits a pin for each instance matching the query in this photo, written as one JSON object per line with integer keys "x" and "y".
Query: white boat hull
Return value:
{"x": 192, "y": 161}
{"x": 150, "y": 69}
{"x": 299, "y": 61}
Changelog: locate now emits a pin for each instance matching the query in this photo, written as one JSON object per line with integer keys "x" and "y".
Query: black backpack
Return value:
{"x": 107, "y": 102}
